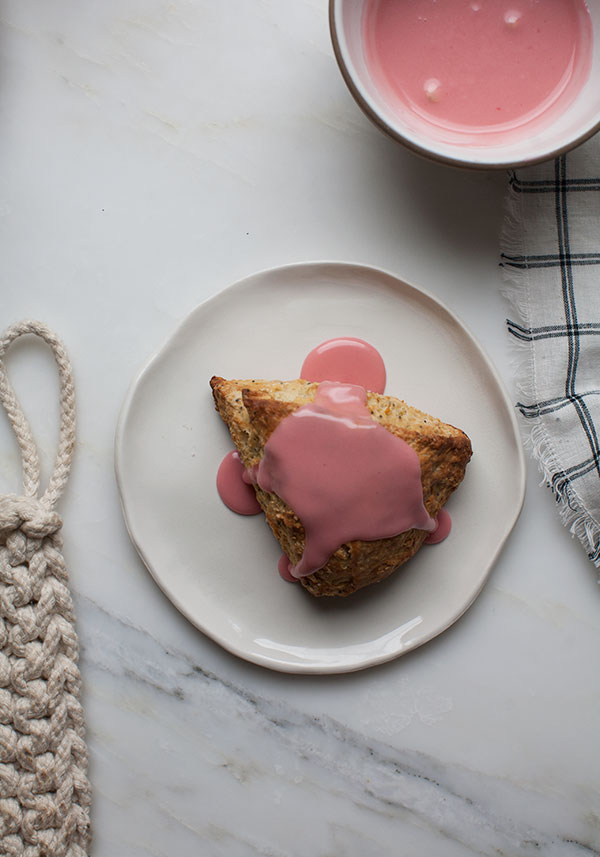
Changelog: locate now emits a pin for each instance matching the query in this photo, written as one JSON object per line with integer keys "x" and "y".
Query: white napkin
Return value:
{"x": 551, "y": 258}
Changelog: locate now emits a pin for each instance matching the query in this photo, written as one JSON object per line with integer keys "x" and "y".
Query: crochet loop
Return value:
{"x": 44, "y": 791}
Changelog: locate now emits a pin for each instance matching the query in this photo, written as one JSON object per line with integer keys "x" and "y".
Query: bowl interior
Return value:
{"x": 576, "y": 122}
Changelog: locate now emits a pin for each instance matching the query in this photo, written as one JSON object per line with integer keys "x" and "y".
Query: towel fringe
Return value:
{"x": 533, "y": 432}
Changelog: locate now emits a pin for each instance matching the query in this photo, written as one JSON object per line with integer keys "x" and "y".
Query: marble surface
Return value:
{"x": 151, "y": 153}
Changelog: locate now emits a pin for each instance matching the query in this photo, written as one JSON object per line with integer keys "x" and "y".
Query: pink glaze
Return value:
{"x": 344, "y": 475}
{"x": 478, "y": 65}
{"x": 339, "y": 439}
{"x": 284, "y": 567}
{"x": 233, "y": 489}
{"x": 347, "y": 360}
{"x": 442, "y": 528}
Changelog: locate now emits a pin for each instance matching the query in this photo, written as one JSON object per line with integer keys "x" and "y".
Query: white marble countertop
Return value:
{"x": 152, "y": 153}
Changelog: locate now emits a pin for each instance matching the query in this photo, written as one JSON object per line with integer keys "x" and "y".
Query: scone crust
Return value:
{"x": 252, "y": 409}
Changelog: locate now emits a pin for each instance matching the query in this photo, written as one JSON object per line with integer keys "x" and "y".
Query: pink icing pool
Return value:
{"x": 345, "y": 476}
{"x": 472, "y": 67}
{"x": 480, "y": 83}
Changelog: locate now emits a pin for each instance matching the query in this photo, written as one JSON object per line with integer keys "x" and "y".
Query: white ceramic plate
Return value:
{"x": 220, "y": 569}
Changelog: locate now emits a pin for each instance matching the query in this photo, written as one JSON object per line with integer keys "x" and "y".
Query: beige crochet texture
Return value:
{"x": 44, "y": 789}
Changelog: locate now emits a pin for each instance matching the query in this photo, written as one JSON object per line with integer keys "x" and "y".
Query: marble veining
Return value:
{"x": 315, "y": 755}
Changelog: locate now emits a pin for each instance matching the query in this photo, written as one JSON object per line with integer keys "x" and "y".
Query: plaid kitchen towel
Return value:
{"x": 551, "y": 258}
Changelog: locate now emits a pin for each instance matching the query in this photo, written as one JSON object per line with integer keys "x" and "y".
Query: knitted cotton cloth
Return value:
{"x": 44, "y": 790}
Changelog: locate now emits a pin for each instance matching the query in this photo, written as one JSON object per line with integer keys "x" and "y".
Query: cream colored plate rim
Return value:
{"x": 218, "y": 568}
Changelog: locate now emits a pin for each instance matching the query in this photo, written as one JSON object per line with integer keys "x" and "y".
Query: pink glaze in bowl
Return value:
{"x": 568, "y": 123}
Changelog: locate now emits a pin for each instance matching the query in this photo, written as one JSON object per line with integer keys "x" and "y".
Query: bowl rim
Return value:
{"x": 424, "y": 151}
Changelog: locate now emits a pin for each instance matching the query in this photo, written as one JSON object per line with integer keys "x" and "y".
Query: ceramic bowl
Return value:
{"x": 579, "y": 119}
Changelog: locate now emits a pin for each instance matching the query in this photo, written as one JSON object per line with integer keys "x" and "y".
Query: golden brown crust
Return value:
{"x": 252, "y": 409}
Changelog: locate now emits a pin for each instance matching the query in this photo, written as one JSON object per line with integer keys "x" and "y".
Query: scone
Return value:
{"x": 252, "y": 410}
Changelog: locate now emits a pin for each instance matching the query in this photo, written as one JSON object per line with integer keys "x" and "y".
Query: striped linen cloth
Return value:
{"x": 551, "y": 259}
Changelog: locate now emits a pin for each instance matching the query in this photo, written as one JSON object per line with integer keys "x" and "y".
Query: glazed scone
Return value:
{"x": 252, "y": 409}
